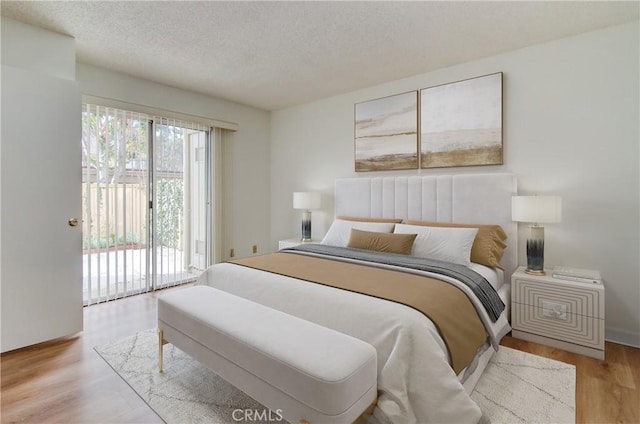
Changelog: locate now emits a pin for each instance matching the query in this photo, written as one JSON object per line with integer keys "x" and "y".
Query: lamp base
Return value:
{"x": 535, "y": 251}
{"x": 534, "y": 272}
{"x": 306, "y": 226}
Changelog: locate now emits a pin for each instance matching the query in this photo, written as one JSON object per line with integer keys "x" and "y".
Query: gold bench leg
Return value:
{"x": 161, "y": 342}
{"x": 361, "y": 419}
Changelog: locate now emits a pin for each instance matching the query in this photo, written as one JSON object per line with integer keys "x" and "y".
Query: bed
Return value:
{"x": 416, "y": 380}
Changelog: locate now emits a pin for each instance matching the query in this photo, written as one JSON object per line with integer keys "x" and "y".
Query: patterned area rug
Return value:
{"x": 516, "y": 387}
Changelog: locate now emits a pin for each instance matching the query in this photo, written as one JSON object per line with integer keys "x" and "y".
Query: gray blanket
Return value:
{"x": 476, "y": 282}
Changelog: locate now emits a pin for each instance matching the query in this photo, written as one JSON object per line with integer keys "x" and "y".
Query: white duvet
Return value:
{"x": 415, "y": 382}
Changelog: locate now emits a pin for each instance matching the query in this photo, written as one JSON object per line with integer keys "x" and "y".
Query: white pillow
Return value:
{"x": 441, "y": 243}
{"x": 338, "y": 234}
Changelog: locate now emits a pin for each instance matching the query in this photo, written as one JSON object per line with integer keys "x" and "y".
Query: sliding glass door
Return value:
{"x": 180, "y": 203}
{"x": 145, "y": 191}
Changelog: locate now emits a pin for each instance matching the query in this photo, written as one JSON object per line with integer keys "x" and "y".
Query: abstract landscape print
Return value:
{"x": 461, "y": 123}
{"x": 386, "y": 133}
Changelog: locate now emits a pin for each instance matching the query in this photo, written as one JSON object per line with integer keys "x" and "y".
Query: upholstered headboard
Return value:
{"x": 465, "y": 198}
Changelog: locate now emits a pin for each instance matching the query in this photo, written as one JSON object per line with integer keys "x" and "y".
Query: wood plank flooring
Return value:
{"x": 65, "y": 381}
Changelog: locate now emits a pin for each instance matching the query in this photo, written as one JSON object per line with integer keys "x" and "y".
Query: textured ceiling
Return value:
{"x": 275, "y": 54}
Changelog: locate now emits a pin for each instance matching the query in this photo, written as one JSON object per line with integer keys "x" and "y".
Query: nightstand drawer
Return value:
{"x": 557, "y": 324}
{"x": 584, "y": 299}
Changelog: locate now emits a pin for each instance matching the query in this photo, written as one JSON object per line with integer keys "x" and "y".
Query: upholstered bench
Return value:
{"x": 306, "y": 372}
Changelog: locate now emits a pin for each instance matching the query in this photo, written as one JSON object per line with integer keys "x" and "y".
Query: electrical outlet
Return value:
{"x": 231, "y": 253}
{"x": 255, "y": 248}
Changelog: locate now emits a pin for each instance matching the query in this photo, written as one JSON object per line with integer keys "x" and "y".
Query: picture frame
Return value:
{"x": 386, "y": 133}
{"x": 461, "y": 123}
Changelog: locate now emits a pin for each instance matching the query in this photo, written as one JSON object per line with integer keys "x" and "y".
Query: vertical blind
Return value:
{"x": 145, "y": 202}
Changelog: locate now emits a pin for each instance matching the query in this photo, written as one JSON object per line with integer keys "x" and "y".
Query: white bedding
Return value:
{"x": 415, "y": 382}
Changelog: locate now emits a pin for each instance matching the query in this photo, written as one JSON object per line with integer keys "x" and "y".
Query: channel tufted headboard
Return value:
{"x": 465, "y": 198}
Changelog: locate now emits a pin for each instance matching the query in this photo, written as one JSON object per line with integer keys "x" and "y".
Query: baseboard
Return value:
{"x": 623, "y": 337}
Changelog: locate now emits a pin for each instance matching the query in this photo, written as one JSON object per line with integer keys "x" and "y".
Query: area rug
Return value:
{"x": 516, "y": 387}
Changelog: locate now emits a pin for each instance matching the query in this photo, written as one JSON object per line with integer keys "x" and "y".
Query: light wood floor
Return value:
{"x": 66, "y": 381}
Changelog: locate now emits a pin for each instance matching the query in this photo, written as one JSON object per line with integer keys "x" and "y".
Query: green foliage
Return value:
{"x": 111, "y": 144}
{"x": 95, "y": 242}
{"x": 170, "y": 211}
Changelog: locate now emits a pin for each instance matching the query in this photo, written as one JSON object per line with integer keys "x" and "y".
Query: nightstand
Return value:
{"x": 283, "y": 244}
{"x": 560, "y": 313}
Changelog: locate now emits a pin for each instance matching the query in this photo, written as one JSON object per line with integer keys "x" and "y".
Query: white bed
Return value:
{"x": 416, "y": 384}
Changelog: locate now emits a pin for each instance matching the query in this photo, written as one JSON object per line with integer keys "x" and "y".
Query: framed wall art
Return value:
{"x": 386, "y": 133}
{"x": 461, "y": 123}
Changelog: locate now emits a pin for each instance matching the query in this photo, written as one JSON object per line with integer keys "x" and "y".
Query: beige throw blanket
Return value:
{"x": 445, "y": 305}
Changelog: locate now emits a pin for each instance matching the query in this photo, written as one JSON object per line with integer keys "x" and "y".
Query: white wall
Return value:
{"x": 249, "y": 149}
{"x": 570, "y": 126}
{"x": 36, "y": 49}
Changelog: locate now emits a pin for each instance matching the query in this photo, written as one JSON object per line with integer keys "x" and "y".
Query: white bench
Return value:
{"x": 307, "y": 372}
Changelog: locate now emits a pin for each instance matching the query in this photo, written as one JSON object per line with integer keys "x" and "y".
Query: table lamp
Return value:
{"x": 306, "y": 201}
{"x": 536, "y": 210}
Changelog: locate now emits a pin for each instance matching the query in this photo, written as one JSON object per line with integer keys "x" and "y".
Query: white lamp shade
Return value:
{"x": 306, "y": 200}
{"x": 536, "y": 209}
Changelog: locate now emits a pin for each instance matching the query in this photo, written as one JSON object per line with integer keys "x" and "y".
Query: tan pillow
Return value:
{"x": 488, "y": 246}
{"x": 381, "y": 242}
{"x": 365, "y": 219}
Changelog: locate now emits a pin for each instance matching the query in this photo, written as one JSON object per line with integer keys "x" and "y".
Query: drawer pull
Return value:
{"x": 554, "y": 310}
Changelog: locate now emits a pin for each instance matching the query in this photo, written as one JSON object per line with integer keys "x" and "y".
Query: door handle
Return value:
{"x": 73, "y": 222}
